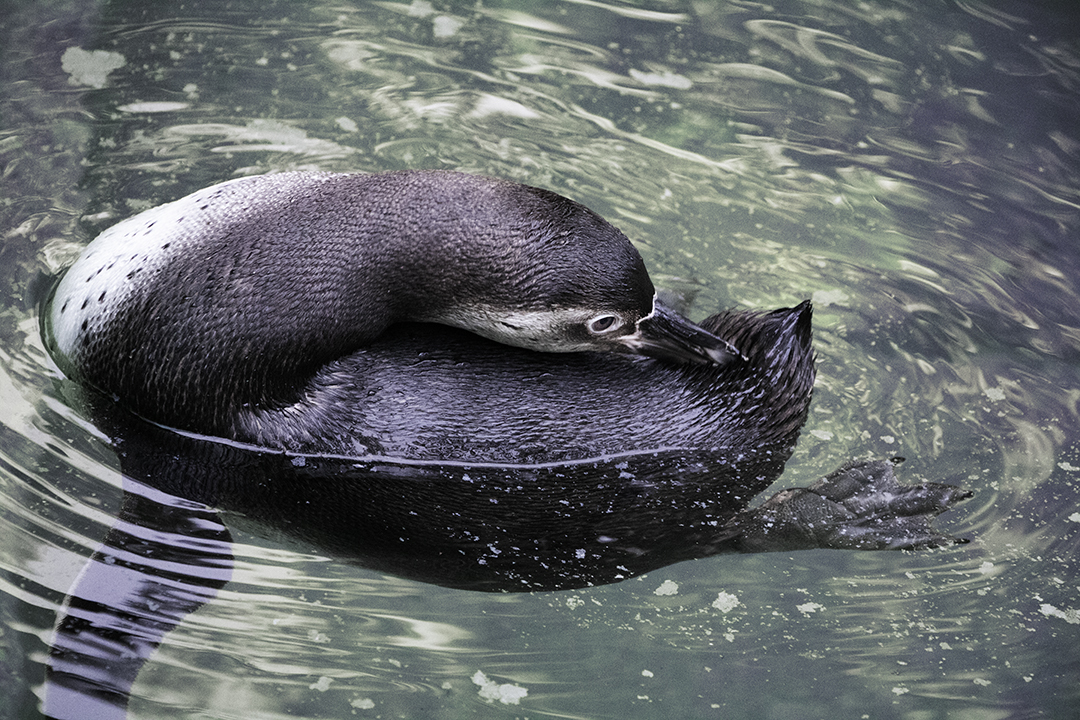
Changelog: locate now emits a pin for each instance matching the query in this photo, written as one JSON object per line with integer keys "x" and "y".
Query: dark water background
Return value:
{"x": 911, "y": 166}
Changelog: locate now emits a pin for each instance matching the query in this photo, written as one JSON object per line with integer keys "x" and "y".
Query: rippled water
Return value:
{"x": 912, "y": 167}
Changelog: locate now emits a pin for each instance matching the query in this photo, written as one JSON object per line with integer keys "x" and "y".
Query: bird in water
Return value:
{"x": 236, "y": 309}
{"x": 455, "y": 320}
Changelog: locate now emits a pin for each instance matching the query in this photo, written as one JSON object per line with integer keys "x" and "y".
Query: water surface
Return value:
{"x": 912, "y": 167}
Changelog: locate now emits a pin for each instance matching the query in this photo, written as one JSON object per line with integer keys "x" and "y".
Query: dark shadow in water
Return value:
{"x": 473, "y": 526}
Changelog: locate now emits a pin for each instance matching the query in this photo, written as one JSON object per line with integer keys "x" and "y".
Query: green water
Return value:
{"x": 912, "y": 167}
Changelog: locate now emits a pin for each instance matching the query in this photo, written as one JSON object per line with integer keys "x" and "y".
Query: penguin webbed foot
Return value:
{"x": 861, "y": 506}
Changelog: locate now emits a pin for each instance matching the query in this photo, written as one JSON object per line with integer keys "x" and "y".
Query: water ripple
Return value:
{"x": 914, "y": 170}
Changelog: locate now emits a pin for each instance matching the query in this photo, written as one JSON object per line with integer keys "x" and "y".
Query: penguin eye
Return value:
{"x": 602, "y": 324}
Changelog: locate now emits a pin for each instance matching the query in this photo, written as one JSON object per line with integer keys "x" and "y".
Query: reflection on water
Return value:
{"x": 913, "y": 169}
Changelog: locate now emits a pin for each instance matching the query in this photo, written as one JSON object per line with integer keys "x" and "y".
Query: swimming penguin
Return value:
{"x": 215, "y": 312}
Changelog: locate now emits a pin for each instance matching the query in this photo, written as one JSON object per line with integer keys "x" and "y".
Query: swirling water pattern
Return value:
{"x": 912, "y": 167}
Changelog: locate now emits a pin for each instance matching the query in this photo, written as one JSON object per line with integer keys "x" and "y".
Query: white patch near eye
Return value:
{"x": 544, "y": 330}
{"x": 655, "y": 298}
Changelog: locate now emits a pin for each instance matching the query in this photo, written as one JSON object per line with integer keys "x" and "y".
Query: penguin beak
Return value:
{"x": 667, "y": 335}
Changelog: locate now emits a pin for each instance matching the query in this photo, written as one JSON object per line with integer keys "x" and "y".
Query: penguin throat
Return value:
{"x": 541, "y": 330}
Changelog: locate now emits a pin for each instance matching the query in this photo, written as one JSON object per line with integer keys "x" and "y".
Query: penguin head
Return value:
{"x": 660, "y": 333}
{"x": 573, "y": 283}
